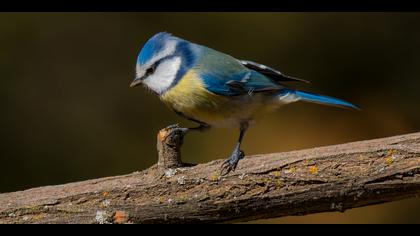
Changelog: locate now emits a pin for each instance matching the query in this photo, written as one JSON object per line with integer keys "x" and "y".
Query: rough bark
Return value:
{"x": 332, "y": 178}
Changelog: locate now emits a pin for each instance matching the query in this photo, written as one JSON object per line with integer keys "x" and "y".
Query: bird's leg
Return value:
{"x": 201, "y": 128}
{"x": 175, "y": 127}
{"x": 237, "y": 154}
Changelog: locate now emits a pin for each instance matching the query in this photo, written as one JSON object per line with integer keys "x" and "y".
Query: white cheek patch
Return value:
{"x": 164, "y": 75}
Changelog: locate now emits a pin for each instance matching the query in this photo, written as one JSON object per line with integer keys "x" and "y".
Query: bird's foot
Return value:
{"x": 231, "y": 163}
{"x": 176, "y": 128}
{"x": 172, "y": 135}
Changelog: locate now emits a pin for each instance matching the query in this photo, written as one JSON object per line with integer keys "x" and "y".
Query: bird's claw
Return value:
{"x": 227, "y": 167}
{"x": 231, "y": 163}
{"x": 176, "y": 127}
{"x": 173, "y": 126}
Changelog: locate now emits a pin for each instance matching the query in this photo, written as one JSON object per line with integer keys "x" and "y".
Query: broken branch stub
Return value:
{"x": 169, "y": 142}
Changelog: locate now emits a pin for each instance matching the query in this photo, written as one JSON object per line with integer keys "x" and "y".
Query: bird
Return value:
{"x": 214, "y": 89}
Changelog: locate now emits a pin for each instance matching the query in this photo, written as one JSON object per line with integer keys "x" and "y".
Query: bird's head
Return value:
{"x": 162, "y": 61}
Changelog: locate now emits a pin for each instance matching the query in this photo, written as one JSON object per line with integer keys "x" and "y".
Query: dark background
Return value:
{"x": 68, "y": 113}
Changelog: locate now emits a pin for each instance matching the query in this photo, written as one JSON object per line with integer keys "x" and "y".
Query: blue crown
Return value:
{"x": 153, "y": 45}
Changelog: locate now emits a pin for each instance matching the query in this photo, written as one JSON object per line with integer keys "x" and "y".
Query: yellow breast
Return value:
{"x": 191, "y": 98}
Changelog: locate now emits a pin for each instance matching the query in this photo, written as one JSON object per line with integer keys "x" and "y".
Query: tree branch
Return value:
{"x": 332, "y": 178}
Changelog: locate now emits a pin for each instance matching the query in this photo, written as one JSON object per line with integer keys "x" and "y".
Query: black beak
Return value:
{"x": 135, "y": 82}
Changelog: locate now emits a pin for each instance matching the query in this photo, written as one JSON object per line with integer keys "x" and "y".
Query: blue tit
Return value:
{"x": 214, "y": 89}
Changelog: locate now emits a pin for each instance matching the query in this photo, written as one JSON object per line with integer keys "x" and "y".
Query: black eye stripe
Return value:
{"x": 151, "y": 70}
{"x": 153, "y": 67}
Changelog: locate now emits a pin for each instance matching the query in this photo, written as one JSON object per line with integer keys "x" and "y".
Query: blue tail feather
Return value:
{"x": 321, "y": 99}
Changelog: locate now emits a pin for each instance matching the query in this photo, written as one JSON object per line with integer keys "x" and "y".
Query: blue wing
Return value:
{"x": 239, "y": 83}
{"x": 224, "y": 75}
{"x": 270, "y": 72}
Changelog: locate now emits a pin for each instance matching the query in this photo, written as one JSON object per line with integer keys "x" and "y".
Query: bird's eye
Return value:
{"x": 150, "y": 70}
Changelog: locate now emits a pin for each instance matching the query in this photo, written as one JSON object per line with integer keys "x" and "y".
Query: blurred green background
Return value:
{"x": 68, "y": 113}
